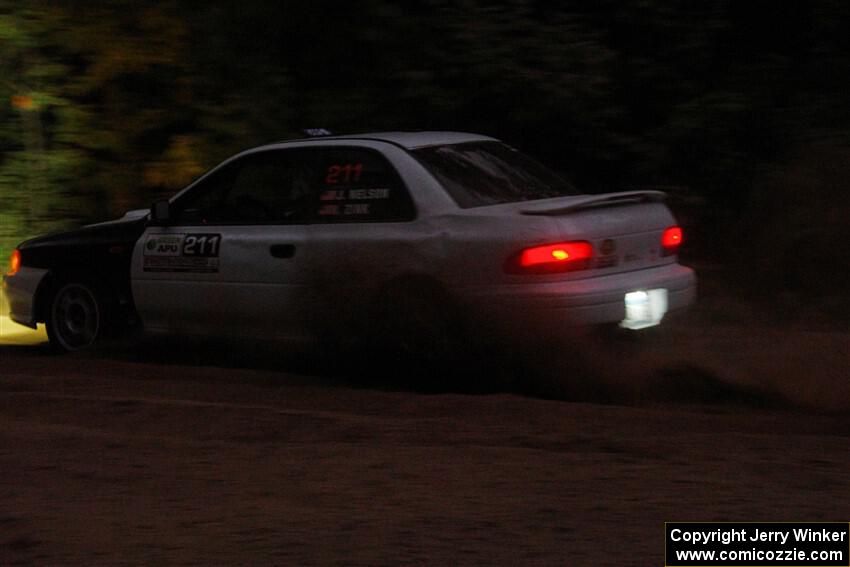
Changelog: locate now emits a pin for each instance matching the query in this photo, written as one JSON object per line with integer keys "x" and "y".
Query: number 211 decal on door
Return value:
{"x": 181, "y": 253}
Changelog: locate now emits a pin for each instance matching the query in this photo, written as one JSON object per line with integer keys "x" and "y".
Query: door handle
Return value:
{"x": 282, "y": 250}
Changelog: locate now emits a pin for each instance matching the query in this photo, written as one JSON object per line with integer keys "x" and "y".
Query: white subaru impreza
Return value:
{"x": 418, "y": 238}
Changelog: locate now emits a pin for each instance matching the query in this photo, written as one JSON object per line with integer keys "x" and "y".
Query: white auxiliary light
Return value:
{"x": 644, "y": 308}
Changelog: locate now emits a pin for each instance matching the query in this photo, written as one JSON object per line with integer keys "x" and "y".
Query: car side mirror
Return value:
{"x": 160, "y": 212}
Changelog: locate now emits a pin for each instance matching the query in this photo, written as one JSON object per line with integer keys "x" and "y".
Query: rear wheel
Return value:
{"x": 418, "y": 324}
{"x": 419, "y": 332}
{"x": 77, "y": 316}
{"x": 415, "y": 330}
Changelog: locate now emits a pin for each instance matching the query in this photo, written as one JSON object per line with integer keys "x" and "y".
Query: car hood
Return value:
{"x": 123, "y": 230}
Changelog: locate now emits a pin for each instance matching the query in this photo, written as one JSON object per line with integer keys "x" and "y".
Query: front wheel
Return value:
{"x": 77, "y": 316}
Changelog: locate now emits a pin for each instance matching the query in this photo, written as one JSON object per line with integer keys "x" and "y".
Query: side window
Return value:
{"x": 299, "y": 185}
{"x": 203, "y": 204}
{"x": 268, "y": 187}
{"x": 274, "y": 187}
{"x": 359, "y": 185}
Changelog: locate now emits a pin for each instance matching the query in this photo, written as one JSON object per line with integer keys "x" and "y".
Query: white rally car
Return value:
{"x": 420, "y": 238}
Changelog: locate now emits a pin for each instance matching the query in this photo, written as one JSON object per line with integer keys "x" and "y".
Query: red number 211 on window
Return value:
{"x": 348, "y": 173}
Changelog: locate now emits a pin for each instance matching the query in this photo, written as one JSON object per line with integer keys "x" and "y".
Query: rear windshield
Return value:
{"x": 489, "y": 173}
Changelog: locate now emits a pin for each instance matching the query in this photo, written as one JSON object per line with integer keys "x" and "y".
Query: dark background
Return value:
{"x": 738, "y": 109}
{"x": 735, "y": 411}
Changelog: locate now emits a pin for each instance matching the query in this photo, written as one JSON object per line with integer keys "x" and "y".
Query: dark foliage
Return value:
{"x": 114, "y": 103}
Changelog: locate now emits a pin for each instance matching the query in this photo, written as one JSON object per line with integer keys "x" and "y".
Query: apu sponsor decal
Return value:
{"x": 162, "y": 245}
{"x": 181, "y": 253}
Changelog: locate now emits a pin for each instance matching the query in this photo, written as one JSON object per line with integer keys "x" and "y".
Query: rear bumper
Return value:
{"x": 545, "y": 310}
{"x": 20, "y": 291}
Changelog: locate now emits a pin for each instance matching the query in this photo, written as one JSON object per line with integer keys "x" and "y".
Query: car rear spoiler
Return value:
{"x": 594, "y": 201}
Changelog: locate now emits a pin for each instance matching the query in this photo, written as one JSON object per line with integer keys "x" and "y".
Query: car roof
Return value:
{"x": 406, "y": 140}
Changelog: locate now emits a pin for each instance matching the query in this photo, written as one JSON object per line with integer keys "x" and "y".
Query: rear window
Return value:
{"x": 490, "y": 173}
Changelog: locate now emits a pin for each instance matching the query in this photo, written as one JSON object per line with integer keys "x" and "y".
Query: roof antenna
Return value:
{"x": 317, "y": 132}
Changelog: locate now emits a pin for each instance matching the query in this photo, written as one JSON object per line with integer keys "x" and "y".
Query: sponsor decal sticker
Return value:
{"x": 196, "y": 253}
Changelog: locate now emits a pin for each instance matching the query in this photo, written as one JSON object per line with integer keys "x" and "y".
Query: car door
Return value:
{"x": 361, "y": 237}
{"x": 228, "y": 262}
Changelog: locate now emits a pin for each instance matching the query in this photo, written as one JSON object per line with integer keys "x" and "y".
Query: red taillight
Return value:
{"x": 14, "y": 263}
{"x": 550, "y": 258}
{"x": 671, "y": 239}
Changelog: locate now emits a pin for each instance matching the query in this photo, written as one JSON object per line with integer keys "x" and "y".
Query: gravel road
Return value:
{"x": 133, "y": 458}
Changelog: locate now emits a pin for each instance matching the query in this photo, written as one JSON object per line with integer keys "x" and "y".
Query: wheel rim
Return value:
{"x": 76, "y": 317}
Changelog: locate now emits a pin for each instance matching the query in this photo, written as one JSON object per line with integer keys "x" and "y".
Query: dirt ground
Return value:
{"x": 146, "y": 454}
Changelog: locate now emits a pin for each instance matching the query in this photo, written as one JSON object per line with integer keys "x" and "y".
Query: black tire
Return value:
{"x": 420, "y": 334}
{"x": 419, "y": 324}
{"x": 77, "y": 316}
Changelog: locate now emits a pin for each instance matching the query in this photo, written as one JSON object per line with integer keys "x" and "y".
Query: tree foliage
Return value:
{"x": 105, "y": 105}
